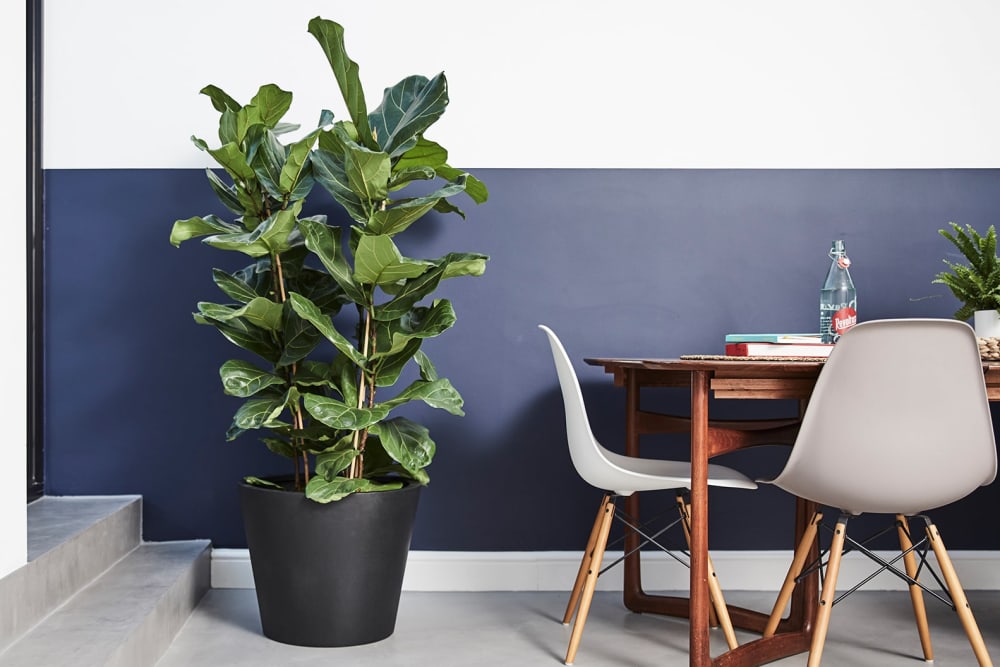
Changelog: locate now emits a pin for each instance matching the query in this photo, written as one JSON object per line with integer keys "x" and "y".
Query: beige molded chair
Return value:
{"x": 899, "y": 423}
{"x": 619, "y": 476}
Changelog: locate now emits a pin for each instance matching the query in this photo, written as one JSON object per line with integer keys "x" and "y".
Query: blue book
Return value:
{"x": 799, "y": 338}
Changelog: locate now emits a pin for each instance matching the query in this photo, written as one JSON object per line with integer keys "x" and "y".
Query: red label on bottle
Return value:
{"x": 844, "y": 319}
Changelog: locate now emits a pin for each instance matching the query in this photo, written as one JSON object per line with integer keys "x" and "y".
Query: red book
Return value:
{"x": 818, "y": 350}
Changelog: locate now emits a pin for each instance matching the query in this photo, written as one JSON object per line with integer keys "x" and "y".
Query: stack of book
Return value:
{"x": 777, "y": 345}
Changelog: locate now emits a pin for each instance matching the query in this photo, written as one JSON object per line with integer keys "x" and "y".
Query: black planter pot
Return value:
{"x": 328, "y": 575}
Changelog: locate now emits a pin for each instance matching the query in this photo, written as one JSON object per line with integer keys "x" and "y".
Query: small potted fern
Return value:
{"x": 976, "y": 284}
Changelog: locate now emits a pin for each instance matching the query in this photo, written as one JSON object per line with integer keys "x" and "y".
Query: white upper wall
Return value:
{"x": 13, "y": 446}
{"x": 550, "y": 83}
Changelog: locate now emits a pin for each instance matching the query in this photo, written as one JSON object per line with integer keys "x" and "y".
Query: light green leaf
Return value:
{"x": 272, "y": 102}
{"x": 438, "y": 394}
{"x": 243, "y": 379}
{"x": 367, "y": 173}
{"x": 297, "y": 162}
{"x": 257, "y": 412}
{"x": 321, "y": 490}
{"x": 339, "y": 415}
{"x": 198, "y": 226}
{"x": 377, "y": 261}
{"x": 231, "y": 158}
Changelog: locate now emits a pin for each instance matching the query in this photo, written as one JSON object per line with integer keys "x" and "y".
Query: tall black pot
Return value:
{"x": 328, "y": 574}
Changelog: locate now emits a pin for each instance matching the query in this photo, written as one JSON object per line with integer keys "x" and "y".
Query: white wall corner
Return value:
{"x": 13, "y": 188}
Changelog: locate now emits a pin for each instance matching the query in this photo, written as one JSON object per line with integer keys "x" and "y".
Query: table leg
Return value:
{"x": 632, "y": 575}
{"x": 698, "y": 619}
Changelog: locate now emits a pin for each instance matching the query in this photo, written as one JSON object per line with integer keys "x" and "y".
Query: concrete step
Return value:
{"x": 127, "y": 617}
{"x": 71, "y": 541}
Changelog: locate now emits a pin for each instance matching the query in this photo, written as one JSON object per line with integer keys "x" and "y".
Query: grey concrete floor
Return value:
{"x": 501, "y": 629}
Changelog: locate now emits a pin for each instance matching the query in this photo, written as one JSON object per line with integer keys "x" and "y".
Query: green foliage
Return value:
{"x": 318, "y": 385}
{"x": 976, "y": 285}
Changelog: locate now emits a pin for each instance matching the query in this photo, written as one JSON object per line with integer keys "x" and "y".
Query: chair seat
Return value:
{"x": 628, "y": 474}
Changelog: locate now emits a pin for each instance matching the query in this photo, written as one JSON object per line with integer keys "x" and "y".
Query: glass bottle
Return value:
{"x": 838, "y": 300}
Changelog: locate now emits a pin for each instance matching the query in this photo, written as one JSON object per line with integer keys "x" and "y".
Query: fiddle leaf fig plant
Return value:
{"x": 976, "y": 285}
{"x": 333, "y": 315}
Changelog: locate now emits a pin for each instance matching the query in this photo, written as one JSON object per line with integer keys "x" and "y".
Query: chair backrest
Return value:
{"x": 587, "y": 453}
{"x": 899, "y": 421}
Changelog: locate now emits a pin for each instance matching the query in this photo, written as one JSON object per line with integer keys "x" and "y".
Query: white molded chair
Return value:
{"x": 899, "y": 423}
{"x": 619, "y": 475}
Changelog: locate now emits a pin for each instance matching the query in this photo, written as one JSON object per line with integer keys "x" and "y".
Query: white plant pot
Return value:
{"x": 987, "y": 324}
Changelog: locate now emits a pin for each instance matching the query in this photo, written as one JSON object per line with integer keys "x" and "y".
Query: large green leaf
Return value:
{"x": 408, "y": 443}
{"x": 273, "y": 235}
{"x": 475, "y": 188}
{"x": 427, "y": 370}
{"x": 330, "y": 36}
{"x": 419, "y": 322}
{"x": 457, "y": 264}
{"x": 233, "y": 287}
{"x": 325, "y": 242}
{"x": 321, "y": 490}
{"x": 389, "y": 367}
{"x": 238, "y": 331}
{"x": 199, "y": 226}
{"x": 243, "y": 379}
{"x": 308, "y": 311}
{"x": 300, "y": 337}
{"x": 271, "y": 102}
{"x": 379, "y": 262}
{"x": 367, "y": 173}
{"x": 232, "y": 159}
{"x": 339, "y": 415}
{"x": 329, "y": 172}
{"x": 226, "y": 193}
{"x": 296, "y": 163}
{"x": 407, "y": 109}
{"x": 267, "y": 161}
{"x": 258, "y": 412}
{"x": 397, "y": 218}
{"x": 425, "y": 153}
{"x": 220, "y": 100}
{"x": 409, "y": 294}
{"x": 334, "y": 460}
{"x": 438, "y": 394}
{"x": 259, "y": 311}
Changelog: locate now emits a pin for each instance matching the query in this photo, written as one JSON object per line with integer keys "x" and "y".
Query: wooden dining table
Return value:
{"x": 708, "y": 377}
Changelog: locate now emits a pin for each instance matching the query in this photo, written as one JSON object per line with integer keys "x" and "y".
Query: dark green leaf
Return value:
{"x": 330, "y": 36}
{"x": 308, "y": 311}
{"x": 407, "y": 109}
{"x": 220, "y": 100}
{"x": 408, "y": 443}
{"x": 300, "y": 336}
{"x": 257, "y": 481}
{"x": 325, "y": 242}
{"x": 234, "y": 287}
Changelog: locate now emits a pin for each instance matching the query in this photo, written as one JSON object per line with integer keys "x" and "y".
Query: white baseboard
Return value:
{"x": 556, "y": 571}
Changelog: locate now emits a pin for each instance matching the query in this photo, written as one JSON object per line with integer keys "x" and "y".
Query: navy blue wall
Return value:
{"x": 618, "y": 262}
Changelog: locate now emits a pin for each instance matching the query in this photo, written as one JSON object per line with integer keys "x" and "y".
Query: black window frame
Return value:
{"x": 35, "y": 249}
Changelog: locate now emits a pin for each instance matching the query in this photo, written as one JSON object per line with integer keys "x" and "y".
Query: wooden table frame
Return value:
{"x": 724, "y": 379}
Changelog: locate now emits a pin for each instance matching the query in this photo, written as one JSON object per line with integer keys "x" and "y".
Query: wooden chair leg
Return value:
{"x": 827, "y": 596}
{"x": 590, "y": 581}
{"x": 798, "y": 561}
{"x": 581, "y": 574}
{"x": 958, "y": 597}
{"x": 718, "y": 611}
{"x": 685, "y": 511}
{"x": 916, "y": 593}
